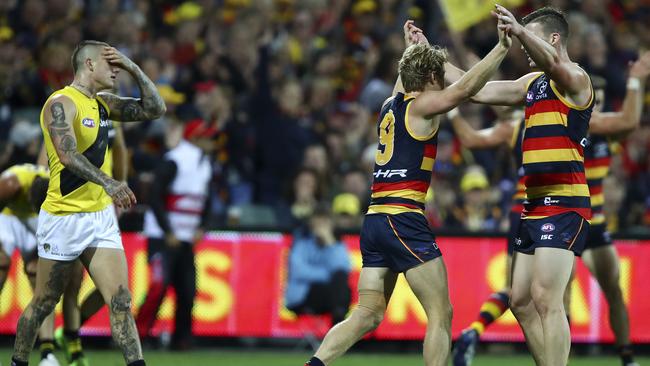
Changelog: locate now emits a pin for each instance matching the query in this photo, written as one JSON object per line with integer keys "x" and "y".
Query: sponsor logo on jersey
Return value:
{"x": 88, "y": 122}
{"x": 548, "y": 227}
{"x": 390, "y": 173}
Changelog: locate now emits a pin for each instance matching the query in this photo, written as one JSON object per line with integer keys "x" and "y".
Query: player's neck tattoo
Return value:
{"x": 83, "y": 89}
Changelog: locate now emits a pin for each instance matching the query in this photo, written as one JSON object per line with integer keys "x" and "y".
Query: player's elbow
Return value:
{"x": 162, "y": 110}
{"x": 64, "y": 158}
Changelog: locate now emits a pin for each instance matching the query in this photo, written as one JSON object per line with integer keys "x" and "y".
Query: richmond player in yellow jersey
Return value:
{"x": 75, "y": 315}
{"x": 395, "y": 237}
{"x": 77, "y": 219}
{"x": 22, "y": 191}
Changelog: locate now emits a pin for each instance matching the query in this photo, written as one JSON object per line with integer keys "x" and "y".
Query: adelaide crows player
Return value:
{"x": 396, "y": 237}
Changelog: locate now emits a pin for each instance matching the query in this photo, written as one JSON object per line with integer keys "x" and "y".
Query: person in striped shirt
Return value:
{"x": 395, "y": 237}
{"x": 558, "y": 103}
{"x": 599, "y": 255}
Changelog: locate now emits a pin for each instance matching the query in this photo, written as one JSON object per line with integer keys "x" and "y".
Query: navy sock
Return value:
{"x": 626, "y": 354}
{"x": 314, "y": 361}
{"x": 15, "y": 362}
{"x": 137, "y": 363}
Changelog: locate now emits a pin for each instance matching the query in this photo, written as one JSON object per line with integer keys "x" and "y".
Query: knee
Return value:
{"x": 519, "y": 303}
{"x": 120, "y": 301}
{"x": 545, "y": 302}
{"x": 370, "y": 320}
{"x": 612, "y": 291}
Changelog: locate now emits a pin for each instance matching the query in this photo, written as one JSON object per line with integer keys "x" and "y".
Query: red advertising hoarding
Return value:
{"x": 241, "y": 283}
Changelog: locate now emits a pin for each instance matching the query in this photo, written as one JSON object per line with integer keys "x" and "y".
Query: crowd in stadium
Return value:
{"x": 294, "y": 89}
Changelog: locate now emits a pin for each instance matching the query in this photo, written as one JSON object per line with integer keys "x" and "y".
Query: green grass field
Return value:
{"x": 259, "y": 358}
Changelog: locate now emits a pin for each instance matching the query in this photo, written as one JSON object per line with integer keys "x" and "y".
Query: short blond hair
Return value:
{"x": 418, "y": 63}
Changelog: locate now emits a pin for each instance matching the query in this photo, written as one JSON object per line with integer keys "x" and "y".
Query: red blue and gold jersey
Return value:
{"x": 519, "y": 197}
{"x": 403, "y": 162}
{"x": 598, "y": 155}
{"x": 552, "y": 152}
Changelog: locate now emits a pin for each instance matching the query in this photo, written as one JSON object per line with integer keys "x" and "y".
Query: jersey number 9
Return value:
{"x": 386, "y": 139}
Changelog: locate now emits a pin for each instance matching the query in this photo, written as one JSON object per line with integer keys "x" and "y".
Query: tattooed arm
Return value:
{"x": 58, "y": 115}
{"x": 150, "y": 106}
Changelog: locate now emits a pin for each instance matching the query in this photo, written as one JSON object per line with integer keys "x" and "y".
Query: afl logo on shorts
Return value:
{"x": 548, "y": 227}
{"x": 88, "y": 122}
{"x": 46, "y": 247}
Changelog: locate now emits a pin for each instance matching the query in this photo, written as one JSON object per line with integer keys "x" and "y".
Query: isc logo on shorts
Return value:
{"x": 88, "y": 122}
{"x": 548, "y": 227}
{"x": 546, "y": 237}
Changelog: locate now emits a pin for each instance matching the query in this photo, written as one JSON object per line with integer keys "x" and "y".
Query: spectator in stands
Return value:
{"x": 346, "y": 210}
{"x": 319, "y": 265}
{"x": 475, "y": 211}
{"x": 176, "y": 222}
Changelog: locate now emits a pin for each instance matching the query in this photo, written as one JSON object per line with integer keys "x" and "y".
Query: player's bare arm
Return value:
{"x": 629, "y": 117}
{"x": 60, "y": 111}
{"x": 498, "y": 92}
{"x": 412, "y": 35}
{"x": 568, "y": 76}
{"x": 431, "y": 103}
{"x": 149, "y": 106}
{"x": 471, "y": 138}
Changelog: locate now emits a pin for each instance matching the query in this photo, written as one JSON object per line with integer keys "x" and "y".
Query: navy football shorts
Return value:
{"x": 565, "y": 231}
{"x": 398, "y": 242}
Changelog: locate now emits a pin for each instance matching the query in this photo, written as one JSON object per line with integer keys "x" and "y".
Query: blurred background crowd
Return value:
{"x": 294, "y": 88}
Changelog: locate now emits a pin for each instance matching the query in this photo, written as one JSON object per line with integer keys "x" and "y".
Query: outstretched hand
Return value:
{"x": 641, "y": 67}
{"x": 413, "y": 35}
{"x": 507, "y": 22}
{"x": 504, "y": 36}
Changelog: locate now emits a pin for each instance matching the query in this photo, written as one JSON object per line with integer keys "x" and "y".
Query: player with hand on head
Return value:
{"x": 396, "y": 237}
{"x": 77, "y": 219}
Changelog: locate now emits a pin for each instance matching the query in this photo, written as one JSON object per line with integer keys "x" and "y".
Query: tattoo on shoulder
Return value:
{"x": 58, "y": 115}
{"x": 58, "y": 126}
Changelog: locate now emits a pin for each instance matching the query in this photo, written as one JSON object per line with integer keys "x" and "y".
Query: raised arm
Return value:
{"x": 499, "y": 92}
{"x": 566, "y": 74}
{"x": 149, "y": 106}
{"x": 435, "y": 102}
{"x": 412, "y": 35}
{"x": 58, "y": 115}
{"x": 471, "y": 138}
{"x": 629, "y": 117}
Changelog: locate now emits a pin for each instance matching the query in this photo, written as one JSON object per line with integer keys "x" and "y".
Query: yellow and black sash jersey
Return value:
{"x": 68, "y": 193}
{"x": 25, "y": 173}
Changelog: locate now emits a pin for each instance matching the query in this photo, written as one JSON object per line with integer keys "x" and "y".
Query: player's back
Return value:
{"x": 403, "y": 162}
{"x": 552, "y": 152}
{"x": 395, "y": 233}
{"x": 67, "y": 192}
